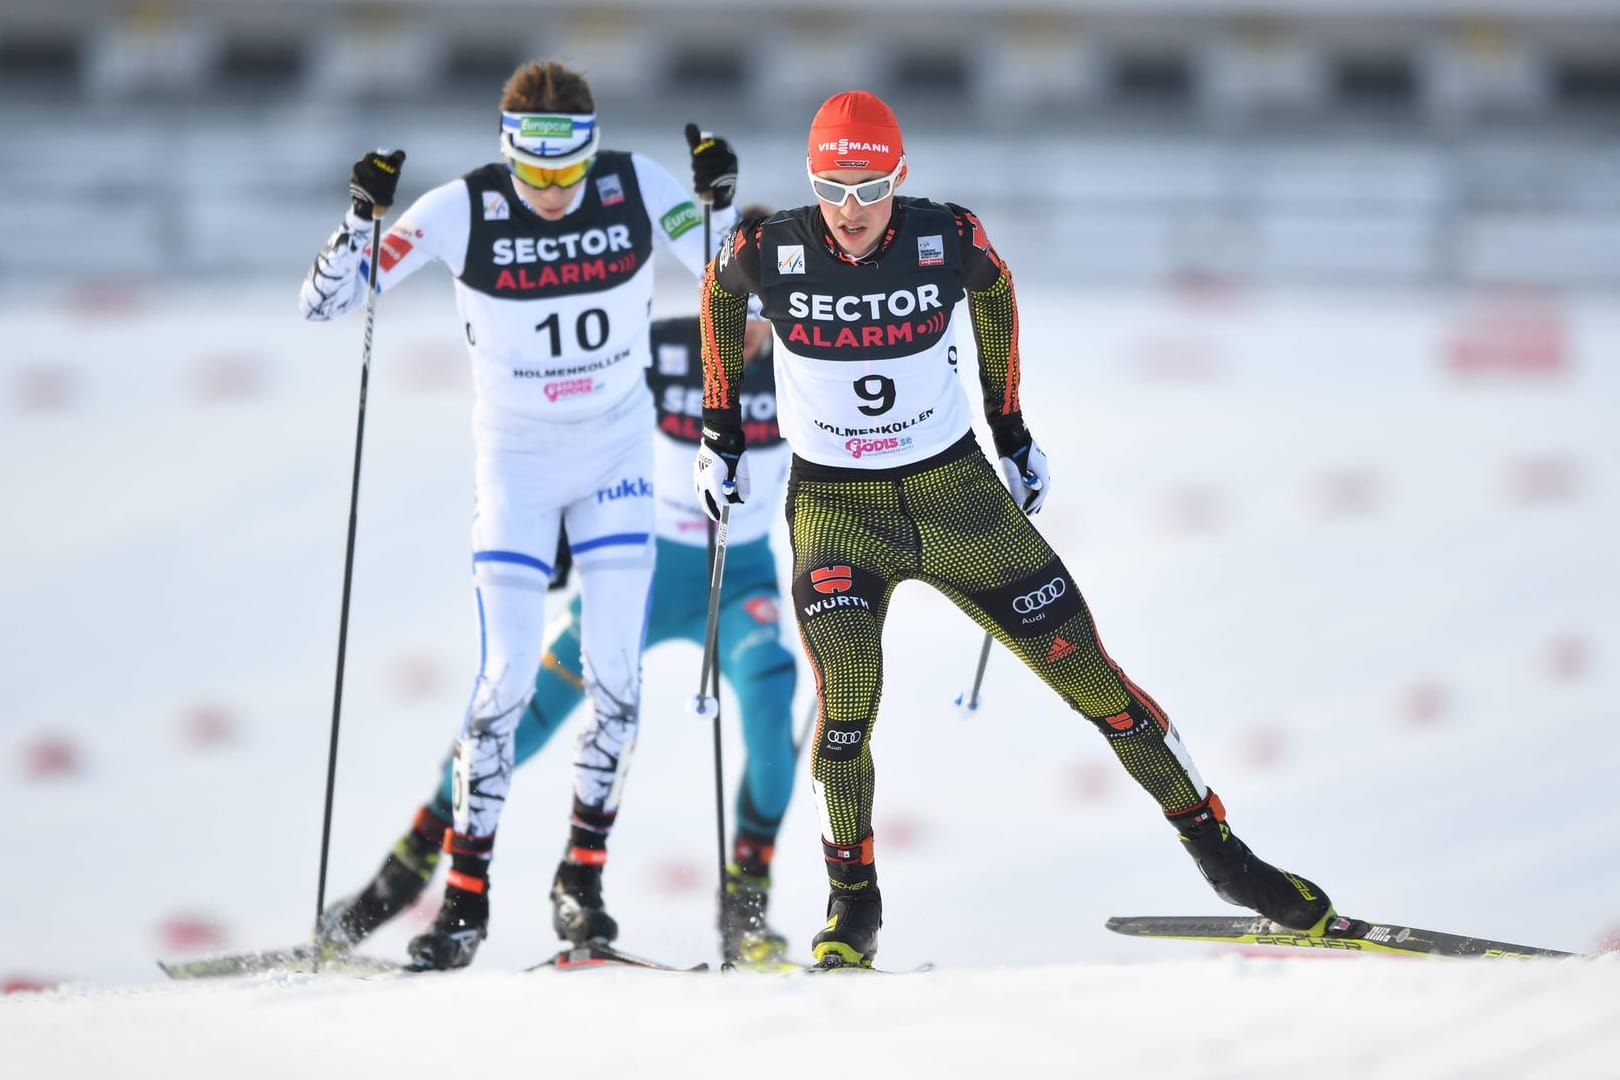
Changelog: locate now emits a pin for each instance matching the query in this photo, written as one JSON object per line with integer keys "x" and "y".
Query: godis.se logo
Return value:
{"x": 831, "y": 579}
{"x": 569, "y": 388}
{"x": 858, "y": 447}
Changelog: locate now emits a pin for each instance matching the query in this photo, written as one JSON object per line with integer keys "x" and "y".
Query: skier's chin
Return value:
{"x": 856, "y": 240}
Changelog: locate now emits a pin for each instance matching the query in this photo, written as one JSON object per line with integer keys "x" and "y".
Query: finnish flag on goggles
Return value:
{"x": 550, "y": 140}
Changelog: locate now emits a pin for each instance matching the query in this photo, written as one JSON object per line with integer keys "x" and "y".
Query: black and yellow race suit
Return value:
{"x": 889, "y": 485}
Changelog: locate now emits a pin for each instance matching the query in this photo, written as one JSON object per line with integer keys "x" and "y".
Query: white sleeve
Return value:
{"x": 435, "y": 227}
{"x": 677, "y": 220}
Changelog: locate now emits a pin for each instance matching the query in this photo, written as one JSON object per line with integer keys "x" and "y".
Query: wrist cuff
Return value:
{"x": 1009, "y": 433}
{"x": 726, "y": 427}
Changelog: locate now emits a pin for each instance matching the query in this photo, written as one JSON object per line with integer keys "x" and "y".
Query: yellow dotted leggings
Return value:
{"x": 949, "y": 523}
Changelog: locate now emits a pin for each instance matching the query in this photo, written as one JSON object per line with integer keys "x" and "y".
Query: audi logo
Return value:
{"x": 1034, "y": 601}
{"x": 844, "y": 738}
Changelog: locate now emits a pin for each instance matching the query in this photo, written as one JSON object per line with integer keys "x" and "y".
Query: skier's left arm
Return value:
{"x": 677, "y": 219}
{"x": 993, "y": 307}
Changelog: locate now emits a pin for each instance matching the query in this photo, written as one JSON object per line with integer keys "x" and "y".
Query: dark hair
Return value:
{"x": 754, "y": 210}
{"x": 547, "y": 86}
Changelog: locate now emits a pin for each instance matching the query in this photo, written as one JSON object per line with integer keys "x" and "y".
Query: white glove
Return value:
{"x": 720, "y": 473}
{"x": 1029, "y": 478}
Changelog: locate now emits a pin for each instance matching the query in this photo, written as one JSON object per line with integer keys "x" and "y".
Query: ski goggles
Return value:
{"x": 540, "y": 177}
{"x": 549, "y": 149}
{"x": 866, "y": 192}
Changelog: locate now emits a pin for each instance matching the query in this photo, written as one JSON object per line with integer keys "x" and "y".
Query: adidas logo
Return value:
{"x": 1059, "y": 650}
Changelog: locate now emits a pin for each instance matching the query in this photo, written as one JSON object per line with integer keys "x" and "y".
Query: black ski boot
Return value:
{"x": 397, "y": 884}
{"x": 850, "y": 937}
{"x": 462, "y": 924}
{"x": 576, "y": 905}
{"x": 745, "y": 936}
{"x": 1240, "y": 877}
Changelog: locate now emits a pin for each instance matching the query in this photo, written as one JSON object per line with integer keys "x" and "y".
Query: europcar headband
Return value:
{"x": 549, "y": 140}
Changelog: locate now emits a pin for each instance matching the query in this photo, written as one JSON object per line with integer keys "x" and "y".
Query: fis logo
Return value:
{"x": 496, "y": 208}
{"x": 674, "y": 360}
{"x": 610, "y": 189}
{"x": 790, "y": 259}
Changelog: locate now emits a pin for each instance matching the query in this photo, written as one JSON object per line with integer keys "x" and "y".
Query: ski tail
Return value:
{"x": 299, "y": 959}
{"x": 599, "y": 954}
{"x": 1341, "y": 934}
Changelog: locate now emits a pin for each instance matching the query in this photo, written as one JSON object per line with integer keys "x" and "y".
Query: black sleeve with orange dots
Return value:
{"x": 993, "y": 308}
{"x": 722, "y": 316}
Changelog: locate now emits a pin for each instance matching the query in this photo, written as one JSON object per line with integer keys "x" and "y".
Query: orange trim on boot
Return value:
{"x": 466, "y": 882}
{"x": 1211, "y": 802}
{"x": 588, "y": 856}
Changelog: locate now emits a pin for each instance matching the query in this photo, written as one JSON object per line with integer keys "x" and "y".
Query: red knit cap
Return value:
{"x": 854, "y": 130}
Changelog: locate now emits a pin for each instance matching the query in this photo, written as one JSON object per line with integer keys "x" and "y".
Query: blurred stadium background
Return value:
{"x": 1365, "y": 141}
{"x": 1321, "y": 333}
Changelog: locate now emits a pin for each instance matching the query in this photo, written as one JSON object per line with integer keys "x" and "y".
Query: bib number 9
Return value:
{"x": 878, "y": 389}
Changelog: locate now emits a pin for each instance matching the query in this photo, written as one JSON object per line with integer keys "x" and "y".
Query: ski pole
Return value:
{"x": 348, "y": 566}
{"x": 972, "y": 696}
{"x": 705, "y": 704}
{"x": 709, "y": 675}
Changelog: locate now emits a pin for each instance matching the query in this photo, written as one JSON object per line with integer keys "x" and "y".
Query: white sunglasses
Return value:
{"x": 866, "y": 192}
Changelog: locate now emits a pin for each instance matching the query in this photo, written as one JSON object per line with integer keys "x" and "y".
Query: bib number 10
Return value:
{"x": 590, "y": 330}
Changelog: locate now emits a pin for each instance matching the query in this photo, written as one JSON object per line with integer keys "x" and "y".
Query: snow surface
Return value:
{"x": 1377, "y": 595}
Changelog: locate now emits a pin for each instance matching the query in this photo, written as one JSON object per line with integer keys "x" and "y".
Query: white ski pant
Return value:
{"x": 596, "y": 477}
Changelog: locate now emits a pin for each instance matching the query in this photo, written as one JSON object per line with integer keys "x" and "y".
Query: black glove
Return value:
{"x": 720, "y": 473}
{"x": 1024, "y": 466}
{"x": 374, "y": 180}
{"x": 714, "y": 167}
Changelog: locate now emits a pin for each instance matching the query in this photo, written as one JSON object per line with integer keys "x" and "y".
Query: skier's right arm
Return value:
{"x": 436, "y": 226}
{"x": 720, "y": 473}
{"x": 728, "y": 280}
